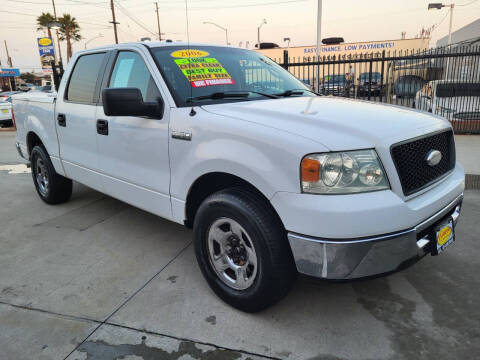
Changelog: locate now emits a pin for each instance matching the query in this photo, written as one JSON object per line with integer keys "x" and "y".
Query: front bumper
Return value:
{"x": 356, "y": 258}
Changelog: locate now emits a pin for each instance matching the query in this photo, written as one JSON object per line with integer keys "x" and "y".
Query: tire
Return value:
{"x": 51, "y": 187}
{"x": 227, "y": 213}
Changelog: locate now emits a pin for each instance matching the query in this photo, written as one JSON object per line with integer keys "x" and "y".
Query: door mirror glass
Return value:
{"x": 129, "y": 102}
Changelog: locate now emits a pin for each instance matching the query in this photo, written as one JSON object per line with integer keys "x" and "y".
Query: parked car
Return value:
{"x": 6, "y": 113}
{"x": 273, "y": 179}
{"x": 407, "y": 86}
{"x": 27, "y": 87}
{"x": 454, "y": 100}
{"x": 6, "y": 94}
{"x": 370, "y": 83}
{"x": 333, "y": 85}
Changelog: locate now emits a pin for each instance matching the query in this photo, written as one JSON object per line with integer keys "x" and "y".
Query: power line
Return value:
{"x": 471, "y": 2}
{"x": 135, "y": 20}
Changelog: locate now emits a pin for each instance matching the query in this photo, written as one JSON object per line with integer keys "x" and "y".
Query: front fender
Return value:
{"x": 267, "y": 158}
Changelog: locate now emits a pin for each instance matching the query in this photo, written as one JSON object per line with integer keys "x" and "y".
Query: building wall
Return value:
{"x": 467, "y": 32}
{"x": 392, "y": 46}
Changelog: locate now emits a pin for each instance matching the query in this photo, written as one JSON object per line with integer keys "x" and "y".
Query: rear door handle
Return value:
{"x": 62, "y": 121}
{"x": 102, "y": 127}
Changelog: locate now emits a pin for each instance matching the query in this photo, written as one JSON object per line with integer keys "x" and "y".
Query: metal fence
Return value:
{"x": 443, "y": 81}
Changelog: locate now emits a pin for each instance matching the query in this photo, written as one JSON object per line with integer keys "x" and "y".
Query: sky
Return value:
{"x": 351, "y": 19}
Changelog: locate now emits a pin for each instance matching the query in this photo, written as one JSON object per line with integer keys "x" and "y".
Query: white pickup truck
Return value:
{"x": 274, "y": 179}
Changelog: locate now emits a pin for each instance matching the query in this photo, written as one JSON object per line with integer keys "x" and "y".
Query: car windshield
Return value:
{"x": 455, "y": 89}
{"x": 211, "y": 74}
{"x": 334, "y": 78}
{"x": 366, "y": 76}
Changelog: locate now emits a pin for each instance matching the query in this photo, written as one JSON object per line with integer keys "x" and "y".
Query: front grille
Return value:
{"x": 410, "y": 160}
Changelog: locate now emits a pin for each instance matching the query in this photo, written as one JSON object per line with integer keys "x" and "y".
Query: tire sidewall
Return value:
{"x": 39, "y": 152}
{"x": 220, "y": 207}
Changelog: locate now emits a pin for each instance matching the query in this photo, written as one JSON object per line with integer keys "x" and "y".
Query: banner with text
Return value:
{"x": 47, "y": 53}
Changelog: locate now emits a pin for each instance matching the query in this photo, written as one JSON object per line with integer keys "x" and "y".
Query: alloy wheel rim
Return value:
{"x": 232, "y": 254}
{"x": 41, "y": 177}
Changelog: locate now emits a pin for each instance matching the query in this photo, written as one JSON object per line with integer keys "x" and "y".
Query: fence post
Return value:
{"x": 381, "y": 77}
{"x": 370, "y": 76}
{"x": 56, "y": 79}
{"x": 285, "y": 59}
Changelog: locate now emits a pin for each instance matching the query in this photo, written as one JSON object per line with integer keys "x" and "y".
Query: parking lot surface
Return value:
{"x": 97, "y": 279}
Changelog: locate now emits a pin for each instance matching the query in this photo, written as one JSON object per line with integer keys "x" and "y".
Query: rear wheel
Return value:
{"x": 242, "y": 250}
{"x": 51, "y": 187}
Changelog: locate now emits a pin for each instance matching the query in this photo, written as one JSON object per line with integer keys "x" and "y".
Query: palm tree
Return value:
{"x": 69, "y": 31}
{"x": 43, "y": 21}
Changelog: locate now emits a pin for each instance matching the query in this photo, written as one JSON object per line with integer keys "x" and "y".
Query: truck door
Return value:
{"x": 133, "y": 151}
{"x": 75, "y": 120}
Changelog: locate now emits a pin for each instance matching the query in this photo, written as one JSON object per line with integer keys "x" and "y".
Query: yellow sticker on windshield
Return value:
{"x": 204, "y": 71}
{"x": 189, "y": 53}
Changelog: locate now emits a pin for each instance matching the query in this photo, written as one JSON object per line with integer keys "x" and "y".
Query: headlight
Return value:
{"x": 343, "y": 173}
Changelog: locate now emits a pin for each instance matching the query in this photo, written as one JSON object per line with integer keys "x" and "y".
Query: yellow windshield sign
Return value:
{"x": 204, "y": 71}
{"x": 189, "y": 53}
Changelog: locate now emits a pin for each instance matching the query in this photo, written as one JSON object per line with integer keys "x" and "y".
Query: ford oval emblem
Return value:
{"x": 433, "y": 157}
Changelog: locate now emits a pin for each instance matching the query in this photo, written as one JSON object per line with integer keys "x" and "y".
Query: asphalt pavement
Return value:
{"x": 98, "y": 279}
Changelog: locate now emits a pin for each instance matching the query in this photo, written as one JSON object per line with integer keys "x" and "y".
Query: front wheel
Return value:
{"x": 242, "y": 250}
{"x": 51, "y": 187}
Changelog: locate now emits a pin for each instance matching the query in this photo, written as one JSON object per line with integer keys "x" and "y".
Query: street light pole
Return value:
{"x": 56, "y": 33}
{"x": 319, "y": 28}
{"x": 451, "y": 24}
{"x": 439, "y": 6}
{"x": 220, "y": 27}
{"x": 264, "y": 21}
{"x": 319, "y": 41}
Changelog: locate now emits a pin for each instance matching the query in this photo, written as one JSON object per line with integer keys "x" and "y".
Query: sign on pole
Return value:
{"x": 9, "y": 72}
{"x": 47, "y": 53}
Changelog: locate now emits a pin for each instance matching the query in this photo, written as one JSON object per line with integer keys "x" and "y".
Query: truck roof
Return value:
{"x": 155, "y": 44}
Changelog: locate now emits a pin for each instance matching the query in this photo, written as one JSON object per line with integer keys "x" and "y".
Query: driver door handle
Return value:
{"x": 102, "y": 127}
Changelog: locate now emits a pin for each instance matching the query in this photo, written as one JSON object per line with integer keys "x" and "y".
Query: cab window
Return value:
{"x": 131, "y": 71}
{"x": 81, "y": 87}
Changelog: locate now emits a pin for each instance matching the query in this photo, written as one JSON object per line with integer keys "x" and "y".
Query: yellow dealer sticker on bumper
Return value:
{"x": 444, "y": 235}
{"x": 204, "y": 71}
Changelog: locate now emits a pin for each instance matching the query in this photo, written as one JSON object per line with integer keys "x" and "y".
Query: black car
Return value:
{"x": 333, "y": 85}
{"x": 407, "y": 86}
{"x": 369, "y": 82}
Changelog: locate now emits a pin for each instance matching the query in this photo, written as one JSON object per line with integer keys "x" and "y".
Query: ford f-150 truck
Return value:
{"x": 274, "y": 179}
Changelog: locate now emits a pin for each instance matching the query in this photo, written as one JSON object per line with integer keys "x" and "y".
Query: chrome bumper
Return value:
{"x": 356, "y": 258}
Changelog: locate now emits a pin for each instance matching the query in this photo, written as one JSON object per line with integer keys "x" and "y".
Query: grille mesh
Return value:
{"x": 413, "y": 170}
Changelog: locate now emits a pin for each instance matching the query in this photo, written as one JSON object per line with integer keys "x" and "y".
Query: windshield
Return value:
{"x": 334, "y": 78}
{"x": 366, "y": 76}
{"x": 454, "y": 89}
{"x": 199, "y": 72}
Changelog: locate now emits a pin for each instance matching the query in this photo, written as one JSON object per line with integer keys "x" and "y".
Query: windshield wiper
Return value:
{"x": 229, "y": 94}
{"x": 291, "y": 92}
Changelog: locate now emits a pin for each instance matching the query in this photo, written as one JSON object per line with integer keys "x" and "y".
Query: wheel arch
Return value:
{"x": 212, "y": 182}
{"x": 33, "y": 140}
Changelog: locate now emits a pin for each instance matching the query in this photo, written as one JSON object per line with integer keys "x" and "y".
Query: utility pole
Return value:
{"x": 58, "y": 38}
{"x": 158, "y": 22}
{"x": 9, "y": 59}
{"x": 9, "y": 62}
{"x": 114, "y": 22}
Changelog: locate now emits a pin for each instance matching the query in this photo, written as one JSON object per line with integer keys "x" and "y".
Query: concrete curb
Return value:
{"x": 472, "y": 181}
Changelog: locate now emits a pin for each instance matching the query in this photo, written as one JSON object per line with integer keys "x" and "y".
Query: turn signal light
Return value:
{"x": 310, "y": 170}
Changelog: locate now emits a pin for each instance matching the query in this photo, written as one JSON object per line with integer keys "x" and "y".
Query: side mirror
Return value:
{"x": 129, "y": 102}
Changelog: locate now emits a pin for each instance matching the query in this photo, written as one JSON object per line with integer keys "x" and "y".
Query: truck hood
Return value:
{"x": 336, "y": 123}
